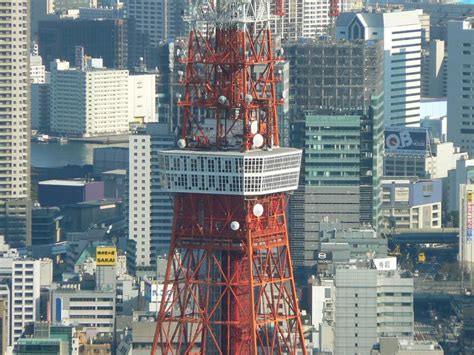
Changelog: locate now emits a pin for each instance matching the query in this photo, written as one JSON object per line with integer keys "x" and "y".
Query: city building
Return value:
{"x": 461, "y": 84}
{"x": 338, "y": 121}
{"x": 343, "y": 244}
{"x": 410, "y": 203}
{"x": 15, "y": 206}
{"x": 463, "y": 173}
{"x": 321, "y": 308}
{"x": 63, "y": 192}
{"x": 155, "y": 21}
{"x": 434, "y": 76}
{"x": 466, "y": 219}
{"x": 97, "y": 101}
{"x": 26, "y": 284}
{"x": 84, "y": 308}
{"x": 409, "y": 152}
{"x": 395, "y": 346}
{"x": 307, "y": 19}
{"x": 109, "y": 158}
{"x": 371, "y": 301}
{"x": 101, "y": 13}
{"x": 4, "y": 316}
{"x": 401, "y": 33}
{"x": 37, "y": 70}
{"x": 46, "y": 225}
{"x": 150, "y": 213}
{"x": 102, "y": 38}
{"x": 441, "y": 13}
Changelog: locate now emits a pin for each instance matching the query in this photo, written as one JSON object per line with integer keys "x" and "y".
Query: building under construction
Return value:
{"x": 336, "y": 104}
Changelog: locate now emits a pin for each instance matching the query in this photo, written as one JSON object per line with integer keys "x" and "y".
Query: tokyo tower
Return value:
{"x": 229, "y": 286}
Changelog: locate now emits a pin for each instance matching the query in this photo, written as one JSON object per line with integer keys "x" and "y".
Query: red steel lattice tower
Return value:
{"x": 229, "y": 286}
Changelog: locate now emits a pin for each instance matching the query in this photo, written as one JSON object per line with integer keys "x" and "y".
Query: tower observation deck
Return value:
{"x": 229, "y": 286}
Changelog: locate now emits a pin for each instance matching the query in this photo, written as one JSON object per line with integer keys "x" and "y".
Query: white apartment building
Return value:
{"x": 461, "y": 84}
{"x": 150, "y": 210}
{"x": 26, "y": 283}
{"x": 15, "y": 207}
{"x": 401, "y": 34}
{"x": 98, "y": 101}
{"x": 307, "y": 18}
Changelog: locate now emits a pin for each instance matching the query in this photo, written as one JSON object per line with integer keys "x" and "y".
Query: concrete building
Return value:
{"x": 307, "y": 18}
{"x": 155, "y": 21}
{"x": 26, "y": 284}
{"x": 409, "y": 203}
{"x": 410, "y": 152}
{"x": 15, "y": 214}
{"x": 150, "y": 213}
{"x": 97, "y": 101}
{"x": 466, "y": 219}
{"x": 4, "y": 316}
{"x": 339, "y": 123}
{"x": 63, "y": 192}
{"x": 371, "y": 302}
{"x": 110, "y": 158}
{"x": 461, "y": 84}
{"x": 463, "y": 173}
{"x": 395, "y": 346}
{"x": 401, "y": 35}
{"x": 434, "y": 64}
{"x": 102, "y": 38}
{"x": 141, "y": 98}
{"x": 344, "y": 244}
{"x": 84, "y": 308}
{"x": 37, "y": 70}
{"x": 321, "y": 307}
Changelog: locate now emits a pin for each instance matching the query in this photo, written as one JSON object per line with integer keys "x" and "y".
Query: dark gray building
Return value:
{"x": 336, "y": 103}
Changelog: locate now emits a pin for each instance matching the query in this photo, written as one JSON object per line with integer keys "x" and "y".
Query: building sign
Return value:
{"x": 324, "y": 257}
{"x": 106, "y": 256}
{"x": 406, "y": 141}
{"x": 402, "y": 194}
{"x": 469, "y": 216}
{"x": 386, "y": 264}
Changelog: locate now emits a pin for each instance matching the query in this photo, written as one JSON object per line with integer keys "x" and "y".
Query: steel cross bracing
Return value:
{"x": 231, "y": 293}
{"x": 230, "y": 72}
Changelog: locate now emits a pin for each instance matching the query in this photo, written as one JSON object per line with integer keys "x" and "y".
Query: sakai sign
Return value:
{"x": 106, "y": 256}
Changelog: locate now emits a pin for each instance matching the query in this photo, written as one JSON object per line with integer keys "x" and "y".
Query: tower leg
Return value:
{"x": 229, "y": 291}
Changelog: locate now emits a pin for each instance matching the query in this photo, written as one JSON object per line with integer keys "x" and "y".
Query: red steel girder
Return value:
{"x": 229, "y": 291}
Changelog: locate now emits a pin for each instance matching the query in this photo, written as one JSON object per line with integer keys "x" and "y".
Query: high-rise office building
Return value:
{"x": 26, "y": 283}
{"x": 15, "y": 209}
{"x": 461, "y": 84}
{"x": 401, "y": 33}
{"x": 151, "y": 24}
{"x": 101, "y": 38}
{"x": 150, "y": 211}
{"x": 337, "y": 118}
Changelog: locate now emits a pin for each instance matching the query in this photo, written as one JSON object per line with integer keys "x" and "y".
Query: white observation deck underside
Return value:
{"x": 252, "y": 173}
